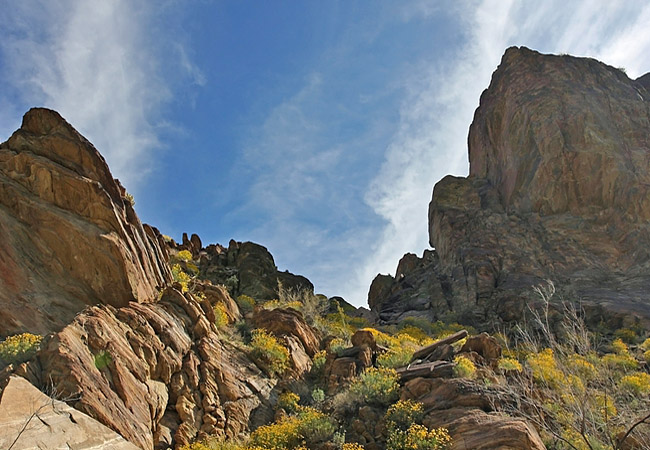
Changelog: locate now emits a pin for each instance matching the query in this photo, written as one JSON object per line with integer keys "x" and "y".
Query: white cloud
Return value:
{"x": 95, "y": 63}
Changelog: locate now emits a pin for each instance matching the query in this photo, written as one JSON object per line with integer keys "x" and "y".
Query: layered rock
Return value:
{"x": 558, "y": 190}
{"x": 69, "y": 236}
{"x": 156, "y": 373}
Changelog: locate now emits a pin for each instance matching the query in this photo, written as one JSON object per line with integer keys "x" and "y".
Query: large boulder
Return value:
{"x": 69, "y": 236}
{"x": 31, "y": 419}
{"x": 558, "y": 190}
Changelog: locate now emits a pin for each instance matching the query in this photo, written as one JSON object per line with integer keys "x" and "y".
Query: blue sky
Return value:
{"x": 316, "y": 128}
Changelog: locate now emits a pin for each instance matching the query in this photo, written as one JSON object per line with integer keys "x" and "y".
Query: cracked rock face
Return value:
{"x": 559, "y": 189}
{"x": 69, "y": 237}
{"x": 49, "y": 423}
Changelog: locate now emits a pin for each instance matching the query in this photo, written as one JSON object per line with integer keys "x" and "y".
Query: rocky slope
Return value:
{"x": 558, "y": 190}
{"x": 127, "y": 346}
{"x": 68, "y": 234}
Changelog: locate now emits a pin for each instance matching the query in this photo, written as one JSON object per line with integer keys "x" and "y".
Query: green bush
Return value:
{"x": 268, "y": 353}
{"x": 377, "y": 385}
{"x": 103, "y": 359}
{"x": 19, "y": 348}
{"x": 245, "y": 303}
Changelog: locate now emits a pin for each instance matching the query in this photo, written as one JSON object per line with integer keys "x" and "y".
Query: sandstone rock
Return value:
{"x": 558, "y": 190}
{"x": 483, "y": 344}
{"x": 148, "y": 372}
{"x": 31, "y": 419}
{"x": 70, "y": 238}
{"x": 364, "y": 337}
{"x": 476, "y": 429}
{"x": 288, "y": 322}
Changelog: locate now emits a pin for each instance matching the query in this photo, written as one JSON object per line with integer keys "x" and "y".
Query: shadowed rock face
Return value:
{"x": 559, "y": 189}
{"x": 68, "y": 236}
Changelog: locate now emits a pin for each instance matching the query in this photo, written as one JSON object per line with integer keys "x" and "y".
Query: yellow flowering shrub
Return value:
{"x": 637, "y": 383}
{"x": 19, "y": 348}
{"x": 318, "y": 362}
{"x": 582, "y": 367}
{"x": 620, "y": 347}
{"x": 288, "y": 401}
{"x": 307, "y": 426}
{"x": 377, "y": 386}
{"x": 220, "y": 315}
{"x": 418, "y": 437}
{"x": 403, "y": 414}
{"x": 545, "y": 368}
{"x": 245, "y": 303}
{"x": 509, "y": 365}
{"x": 395, "y": 357}
{"x": 352, "y": 446}
{"x": 464, "y": 367}
{"x": 184, "y": 255}
{"x": 181, "y": 277}
{"x": 268, "y": 353}
{"x": 620, "y": 361}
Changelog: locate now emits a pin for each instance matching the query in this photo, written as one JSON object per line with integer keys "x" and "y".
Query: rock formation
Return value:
{"x": 246, "y": 268}
{"x": 68, "y": 234}
{"x": 559, "y": 189}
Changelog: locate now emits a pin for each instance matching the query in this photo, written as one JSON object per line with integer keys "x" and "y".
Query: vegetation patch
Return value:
{"x": 19, "y": 348}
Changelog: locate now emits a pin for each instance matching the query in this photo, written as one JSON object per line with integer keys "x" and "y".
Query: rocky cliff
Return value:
{"x": 559, "y": 152}
{"x": 69, "y": 237}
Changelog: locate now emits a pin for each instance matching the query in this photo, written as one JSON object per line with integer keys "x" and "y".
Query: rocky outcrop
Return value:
{"x": 245, "y": 268}
{"x": 69, "y": 236}
{"x": 156, "y": 373}
{"x": 558, "y": 190}
{"x": 31, "y": 419}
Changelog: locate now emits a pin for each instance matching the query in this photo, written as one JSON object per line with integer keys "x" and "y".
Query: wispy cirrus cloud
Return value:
{"x": 99, "y": 65}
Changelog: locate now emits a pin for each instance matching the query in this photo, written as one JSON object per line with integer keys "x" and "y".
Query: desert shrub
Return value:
{"x": 129, "y": 198}
{"x": 288, "y": 401}
{"x": 318, "y": 361}
{"x": 418, "y": 437}
{"x": 181, "y": 277}
{"x": 395, "y": 357}
{"x": 509, "y": 365}
{"x": 103, "y": 359}
{"x": 356, "y": 323}
{"x": 245, "y": 303}
{"x": 19, "y": 348}
{"x": 307, "y": 426}
{"x": 377, "y": 386}
{"x": 544, "y": 368}
{"x": 403, "y": 414}
{"x": 464, "y": 367}
{"x": 268, "y": 353}
{"x": 337, "y": 344}
{"x": 220, "y": 315}
{"x": 416, "y": 333}
{"x": 352, "y": 446}
{"x": 578, "y": 400}
{"x": 184, "y": 255}
{"x": 637, "y": 383}
{"x": 318, "y": 395}
{"x": 626, "y": 335}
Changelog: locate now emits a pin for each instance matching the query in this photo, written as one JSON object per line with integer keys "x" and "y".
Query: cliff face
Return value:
{"x": 558, "y": 190}
{"x": 68, "y": 235}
